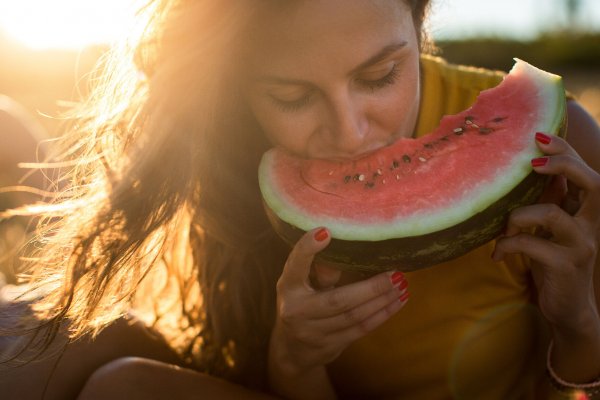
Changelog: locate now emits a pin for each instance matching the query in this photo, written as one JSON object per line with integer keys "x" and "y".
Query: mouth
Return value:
{"x": 363, "y": 153}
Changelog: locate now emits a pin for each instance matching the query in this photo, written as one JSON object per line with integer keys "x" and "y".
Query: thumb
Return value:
{"x": 297, "y": 268}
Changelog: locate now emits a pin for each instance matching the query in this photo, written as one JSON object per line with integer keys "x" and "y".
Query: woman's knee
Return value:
{"x": 118, "y": 378}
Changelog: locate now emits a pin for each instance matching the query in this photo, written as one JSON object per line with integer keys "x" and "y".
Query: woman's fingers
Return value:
{"x": 323, "y": 319}
{"x": 364, "y": 317}
{"x": 353, "y": 332}
{"x": 534, "y": 247}
{"x": 345, "y": 298}
{"x": 296, "y": 271}
{"x": 550, "y": 217}
{"x": 564, "y": 160}
{"x": 354, "y": 323}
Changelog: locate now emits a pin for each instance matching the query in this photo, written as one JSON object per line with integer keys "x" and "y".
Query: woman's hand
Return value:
{"x": 314, "y": 326}
{"x": 565, "y": 248}
{"x": 564, "y": 254}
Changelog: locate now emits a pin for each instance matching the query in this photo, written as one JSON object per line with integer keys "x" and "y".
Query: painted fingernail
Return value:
{"x": 403, "y": 284}
{"x": 542, "y": 138}
{"x": 539, "y": 162}
{"x": 397, "y": 277}
{"x": 404, "y": 296}
{"x": 321, "y": 234}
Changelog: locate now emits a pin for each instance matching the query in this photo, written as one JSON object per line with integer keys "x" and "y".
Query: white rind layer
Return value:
{"x": 551, "y": 92}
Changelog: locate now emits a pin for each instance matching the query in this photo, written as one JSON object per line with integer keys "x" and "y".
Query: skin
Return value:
{"x": 319, "y": 100}
{"x": 321, "y": 312}
{"x": 308, "y": 100}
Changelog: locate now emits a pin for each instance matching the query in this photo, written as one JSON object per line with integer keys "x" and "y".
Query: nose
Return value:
{"x": 347, "y": 127}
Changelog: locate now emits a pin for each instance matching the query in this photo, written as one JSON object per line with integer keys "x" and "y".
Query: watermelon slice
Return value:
{"x": 420, "y": 202}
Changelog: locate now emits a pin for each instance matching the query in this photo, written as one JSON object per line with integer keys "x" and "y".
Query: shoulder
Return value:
{"x": 583, "y": 133}
{"x": 464, "y": 76}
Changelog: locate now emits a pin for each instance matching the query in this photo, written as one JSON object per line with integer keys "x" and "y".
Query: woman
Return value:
{"x": 164, "y": 221}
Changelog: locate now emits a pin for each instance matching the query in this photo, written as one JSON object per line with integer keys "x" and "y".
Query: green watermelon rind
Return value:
{"x": 550, "y": 88}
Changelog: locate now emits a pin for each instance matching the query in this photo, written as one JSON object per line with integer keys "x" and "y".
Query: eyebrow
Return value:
{"x": 381, "y": 55}
{"x": 374, "y": 59}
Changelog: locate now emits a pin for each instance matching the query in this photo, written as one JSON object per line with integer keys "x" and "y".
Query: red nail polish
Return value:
{"x": 397, "y": 277}
{"x": 539, "y": 162}
{"x": 321, "y": 235}
{"x": 404, "y": 296}
{"x": 542, "y": 138}
{"x": 403, "y": 284}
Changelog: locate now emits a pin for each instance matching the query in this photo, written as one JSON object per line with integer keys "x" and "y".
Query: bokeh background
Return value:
{"x": 48, "y": 49}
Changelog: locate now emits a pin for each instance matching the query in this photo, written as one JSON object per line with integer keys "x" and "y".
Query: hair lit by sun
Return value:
{"x": 66, "y": 24}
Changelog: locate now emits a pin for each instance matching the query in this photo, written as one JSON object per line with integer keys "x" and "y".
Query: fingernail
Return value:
{"x": 542, "y": 138}
{"x": 321, "y": 234}
{"x": 397, "y": 277}
{"x": 404, "y": 296}
{"x": 539, "y": 162}
{"x": 403, "y": 284}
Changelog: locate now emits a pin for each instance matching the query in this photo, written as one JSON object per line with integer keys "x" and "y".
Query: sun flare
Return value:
{"x": 65, "y": 24}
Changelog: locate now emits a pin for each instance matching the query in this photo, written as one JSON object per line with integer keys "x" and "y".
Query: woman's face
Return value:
{"x": 335, "y": 79}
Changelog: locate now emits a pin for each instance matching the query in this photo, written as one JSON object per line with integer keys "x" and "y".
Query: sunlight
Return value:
{"x": 65, "y": 24}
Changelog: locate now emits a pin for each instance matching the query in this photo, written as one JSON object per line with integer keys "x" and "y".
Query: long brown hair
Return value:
{"x": 160, "y": 209}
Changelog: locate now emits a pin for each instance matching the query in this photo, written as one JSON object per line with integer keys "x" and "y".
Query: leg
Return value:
{"x": 136, "y": 378}
{"x": 63, "y": 377}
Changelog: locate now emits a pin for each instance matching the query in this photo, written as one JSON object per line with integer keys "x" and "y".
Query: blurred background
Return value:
{"x": 48, "y": 48}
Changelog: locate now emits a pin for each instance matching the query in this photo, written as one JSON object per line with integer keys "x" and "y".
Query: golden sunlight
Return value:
{"x": 65, "y": 24}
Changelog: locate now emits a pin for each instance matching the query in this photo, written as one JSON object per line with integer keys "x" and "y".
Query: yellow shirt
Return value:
{"x": 469, "y": 330}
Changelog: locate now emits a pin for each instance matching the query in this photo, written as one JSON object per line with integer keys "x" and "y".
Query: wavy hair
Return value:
{"x": 159, "y": 210}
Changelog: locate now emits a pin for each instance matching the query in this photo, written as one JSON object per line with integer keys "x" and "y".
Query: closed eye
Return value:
{"x": 292, "y": 105}
{"x": 386, "y": 80}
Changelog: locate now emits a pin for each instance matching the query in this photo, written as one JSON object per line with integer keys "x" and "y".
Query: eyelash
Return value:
{"x": 380, "y": 83}
{"x": 293, "y": 105}
{"x": 389, "y": 79}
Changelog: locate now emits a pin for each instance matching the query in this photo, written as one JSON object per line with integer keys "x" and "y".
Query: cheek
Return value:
{"x": 396, "y": 112}
{"x": 290, "y": 131}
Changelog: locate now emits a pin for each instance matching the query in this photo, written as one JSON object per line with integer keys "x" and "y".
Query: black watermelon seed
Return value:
{"x": 347, "y": 178}
{"x": 406, "y": 158}
{"x": 369, "y": 185}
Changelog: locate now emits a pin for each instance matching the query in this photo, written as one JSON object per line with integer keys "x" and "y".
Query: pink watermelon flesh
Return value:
{"x": 419, "y": 186}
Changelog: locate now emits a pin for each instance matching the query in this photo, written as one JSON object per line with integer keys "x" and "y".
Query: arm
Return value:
{"x": 577, "y": 359}
{"x": 313, "y": 327}
{"x": 565, "y": 258}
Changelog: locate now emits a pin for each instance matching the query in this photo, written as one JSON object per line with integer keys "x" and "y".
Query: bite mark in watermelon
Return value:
{"x": 420, "y": 202}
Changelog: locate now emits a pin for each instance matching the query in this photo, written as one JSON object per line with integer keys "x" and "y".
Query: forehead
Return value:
{"x": 312, "y": 31}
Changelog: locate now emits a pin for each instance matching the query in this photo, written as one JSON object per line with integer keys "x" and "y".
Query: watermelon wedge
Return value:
{"x": 420, "y": 202}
